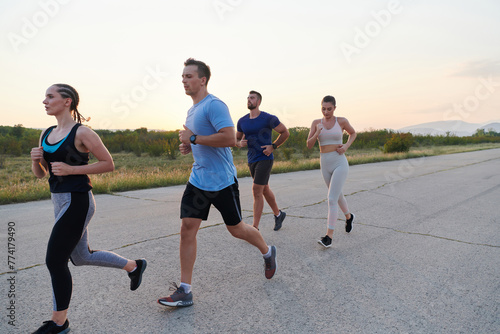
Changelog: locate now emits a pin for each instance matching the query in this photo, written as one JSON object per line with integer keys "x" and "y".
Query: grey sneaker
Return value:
{"x": 136, "y": 275}
{"x": 326, "y": 241}
{"x": 348, "y": 223}
{"x": 177, "y": 299}
{"x": 270, "y": 264}
{"x": 278, "y": 221}
{"x": 50, "y": 327}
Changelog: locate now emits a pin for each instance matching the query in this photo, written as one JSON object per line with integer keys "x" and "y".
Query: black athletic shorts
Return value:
{"x": 260, "y": 171}
{"x": 196, "y": 203}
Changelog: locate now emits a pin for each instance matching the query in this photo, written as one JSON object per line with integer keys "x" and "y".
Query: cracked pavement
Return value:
{"x": 423, "y": 257}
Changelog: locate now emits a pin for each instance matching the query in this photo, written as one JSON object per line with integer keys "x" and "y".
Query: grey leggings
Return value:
{"x": 69, "y": 240}
{"x": 334, "y": 168}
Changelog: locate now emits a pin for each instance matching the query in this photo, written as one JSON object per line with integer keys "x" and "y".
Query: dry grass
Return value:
{"x": 131, "y": 172}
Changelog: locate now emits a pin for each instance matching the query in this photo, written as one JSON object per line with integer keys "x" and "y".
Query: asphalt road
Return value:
{"x": 423, "y": 257}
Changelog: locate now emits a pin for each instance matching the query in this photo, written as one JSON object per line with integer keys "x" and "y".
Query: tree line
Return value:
{"x": 18, "y": 140}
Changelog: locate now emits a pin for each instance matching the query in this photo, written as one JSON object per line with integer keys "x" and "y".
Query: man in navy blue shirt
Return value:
{"x": 255, "y": 131}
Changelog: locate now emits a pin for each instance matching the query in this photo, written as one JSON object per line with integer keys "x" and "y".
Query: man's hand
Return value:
{"x": 243, "y": 142}
{"x": 185, "y": 135}
{"x": 185, "y": 148}
{"x": 268, "y": 149}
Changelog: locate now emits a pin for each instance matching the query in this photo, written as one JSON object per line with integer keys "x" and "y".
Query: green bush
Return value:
{"x": 172, "y": 148}
{"x": 17, "y": 141}
{"x": 155, "y": 148}
{"x": 137, "y": 149}
{"x": 287, "y": 153}
{"x": 306, "y": 152}
{"x": 399, "y": 142}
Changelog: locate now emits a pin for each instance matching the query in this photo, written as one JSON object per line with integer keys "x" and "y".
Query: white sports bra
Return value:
{"x": 331, "y": 136}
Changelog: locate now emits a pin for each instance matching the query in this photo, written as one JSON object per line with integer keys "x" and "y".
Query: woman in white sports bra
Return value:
{"x": 334, "y": 166}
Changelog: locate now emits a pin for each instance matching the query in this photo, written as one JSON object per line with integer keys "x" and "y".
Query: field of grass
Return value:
{"x": 18, "y": 184}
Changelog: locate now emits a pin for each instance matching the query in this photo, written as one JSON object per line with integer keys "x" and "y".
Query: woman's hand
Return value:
{"x": 61, "y": 169}
{"x": 340, "y": 149}
{"x": 36, "y": 154}
{"x": 319, "y": 127}
{"x": 38, "y": 164}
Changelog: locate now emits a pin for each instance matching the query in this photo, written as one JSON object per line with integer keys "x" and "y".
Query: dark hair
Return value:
{"x": 69, "y": 92}
{"x": 330, "y": 99}
{"x": 203, "y": 69}
{"x": 256, "y": 93}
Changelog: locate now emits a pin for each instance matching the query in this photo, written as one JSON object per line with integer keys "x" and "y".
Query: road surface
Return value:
{"x": 423, "y": 257}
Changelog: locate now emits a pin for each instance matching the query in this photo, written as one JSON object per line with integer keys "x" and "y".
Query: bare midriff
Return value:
{"x": 328, "y": 148}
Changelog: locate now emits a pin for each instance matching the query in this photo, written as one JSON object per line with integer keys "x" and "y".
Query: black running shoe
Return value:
{"x": 50, "y": 327}
{"x": 348, "y": 223}
{"x": 136, "y": 275}
{"x": 178, "y": 299}
{"x": 278, "y": 221}
{"x": 326, "y": 241}
{"x": 270, "y": 264}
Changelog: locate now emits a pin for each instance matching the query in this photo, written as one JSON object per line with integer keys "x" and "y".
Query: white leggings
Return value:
{"x": 335, "y": 168}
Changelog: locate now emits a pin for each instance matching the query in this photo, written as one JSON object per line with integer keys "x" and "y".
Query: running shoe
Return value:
{"x": 326, "y": 241}
{"x": 278, "y": 221}
{"x": 270, "y": 264}
{"x": 50, "y": 327}
{"x": 136, "y": 275}
{"x": 177, "y": 299}
{"x": 348, "y": 223}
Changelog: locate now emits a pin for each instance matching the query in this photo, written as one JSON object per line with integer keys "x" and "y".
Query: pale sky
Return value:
{"x": 389, "y": 64}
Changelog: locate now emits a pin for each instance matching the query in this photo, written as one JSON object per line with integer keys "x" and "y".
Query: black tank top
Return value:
{"x": 65, "y": 151}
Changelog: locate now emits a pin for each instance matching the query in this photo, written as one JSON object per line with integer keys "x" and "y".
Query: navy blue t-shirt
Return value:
{"x": 258, "y": 131}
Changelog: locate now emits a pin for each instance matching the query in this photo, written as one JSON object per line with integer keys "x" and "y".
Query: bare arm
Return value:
{"x": 283, "y": 136}
{"x": 226, "y": 137}
{"x": 314, "y": 133}
{"x": 240, "y": 139}
{"x": 345, "y": 125}
{"x": 38, "y": 164}
{"x": 87, "y": 140}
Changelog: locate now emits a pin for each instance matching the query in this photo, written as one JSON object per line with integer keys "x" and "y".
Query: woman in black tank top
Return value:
{"x": 63, "y": 153}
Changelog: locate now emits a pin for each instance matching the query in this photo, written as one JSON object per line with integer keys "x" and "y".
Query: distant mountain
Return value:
{"x": 457, "y": 128}
{"x": 495, "y": 126}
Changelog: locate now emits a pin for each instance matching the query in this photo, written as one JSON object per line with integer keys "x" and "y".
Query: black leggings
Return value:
{"x": 69, "y": 240}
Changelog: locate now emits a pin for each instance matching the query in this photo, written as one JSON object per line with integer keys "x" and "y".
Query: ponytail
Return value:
{"x": 67, "y": 91}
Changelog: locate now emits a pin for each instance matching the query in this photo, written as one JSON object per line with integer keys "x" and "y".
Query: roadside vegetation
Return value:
{"x": 148, "y": 159}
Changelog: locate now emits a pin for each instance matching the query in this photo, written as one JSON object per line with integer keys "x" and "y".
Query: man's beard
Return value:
{"x": 251, "y": 106}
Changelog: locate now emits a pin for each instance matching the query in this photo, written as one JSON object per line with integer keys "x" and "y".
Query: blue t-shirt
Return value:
{"x": 258, "y": 131}
{"x": 213, "y": 167}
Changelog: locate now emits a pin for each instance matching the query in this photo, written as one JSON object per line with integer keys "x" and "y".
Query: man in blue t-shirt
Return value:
{"x": 255, "y": 130}
{"x": 209, "y": 133}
